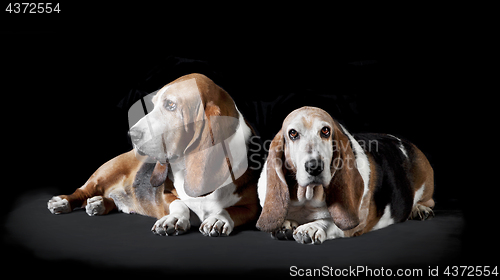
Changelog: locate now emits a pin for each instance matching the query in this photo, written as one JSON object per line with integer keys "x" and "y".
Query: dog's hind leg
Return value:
{"x": 117, "y": 172}
{"x": 99, "y": 205}
{"x": 61, "y": 204}
{"x": 423, "y": 176}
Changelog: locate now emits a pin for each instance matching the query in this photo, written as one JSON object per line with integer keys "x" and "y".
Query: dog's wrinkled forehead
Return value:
{"x": 307, "y": 118}
{"x": 178, "y": 91}
{"x": 182, "y": 92}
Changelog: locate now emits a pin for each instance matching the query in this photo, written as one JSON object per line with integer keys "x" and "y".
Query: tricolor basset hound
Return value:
{"x": 320, "y": 182}
{"x": 190, "y": 154}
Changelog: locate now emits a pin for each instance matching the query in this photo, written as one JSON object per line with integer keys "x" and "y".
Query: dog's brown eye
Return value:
{"x": 170, "y": 105}
{"x": 293, "y": 134}
{"x": 325, "y": 132}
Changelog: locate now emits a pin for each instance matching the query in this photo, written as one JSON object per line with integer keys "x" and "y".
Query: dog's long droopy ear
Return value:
{"x": 343, "y": 195}
{"x": 207, "y": 157}
{"x": 277, "y": 194}
{"x": 159, "y": 174}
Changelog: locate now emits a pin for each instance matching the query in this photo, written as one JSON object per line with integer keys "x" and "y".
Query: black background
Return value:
{"x": 66, "y": 95}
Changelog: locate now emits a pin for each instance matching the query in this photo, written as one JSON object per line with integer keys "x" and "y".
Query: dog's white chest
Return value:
{"x": 214, "y": 202}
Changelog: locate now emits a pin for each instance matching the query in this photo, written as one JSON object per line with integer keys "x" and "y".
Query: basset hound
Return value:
{"x": 190, "y": 154}
{"x": 320, "y": 182}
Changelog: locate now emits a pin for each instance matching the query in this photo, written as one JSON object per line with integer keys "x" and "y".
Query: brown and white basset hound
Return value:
{"x": 320, "y": 182}
{"x": 190, "y": 154}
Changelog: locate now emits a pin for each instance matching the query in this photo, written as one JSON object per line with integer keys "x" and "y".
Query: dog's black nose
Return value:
{"x": 314, "y": 167}
{"x": 135, "y": 135}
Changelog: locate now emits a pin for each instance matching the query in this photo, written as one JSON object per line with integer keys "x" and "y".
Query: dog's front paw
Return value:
{"x": 286, "y": 230}
{"x": 171, "y": 225}
{"x": 310, "y": 233}
{"x": 216, "y": 225}
{"x": 57, "y": 205}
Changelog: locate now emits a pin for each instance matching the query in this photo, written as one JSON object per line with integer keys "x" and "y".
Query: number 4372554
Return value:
{"x": 470, "y": 270}
{"x": 33, "y": 8}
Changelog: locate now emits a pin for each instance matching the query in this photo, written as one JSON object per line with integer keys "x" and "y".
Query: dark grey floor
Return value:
{"x": 123, "y": 243}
